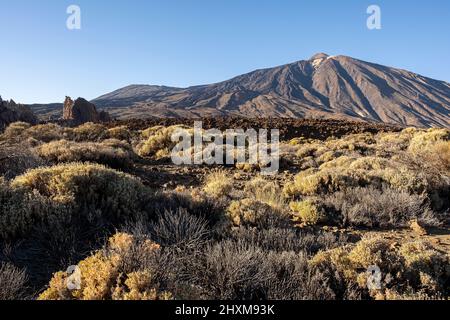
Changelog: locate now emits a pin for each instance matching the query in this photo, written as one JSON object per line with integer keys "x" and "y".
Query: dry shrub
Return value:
{"x": 89, "y": 192}
{"x": 113, "y": 153}
{"x": 423, "y": 139}
{"x": 306, "y": 212}
{"x": 45, "y": 132}
{"x": 386, "y": 208}
{"x": 17, "y": 210}
{"x": 89, "y": 132}
{"x": 179, "y": 229}
{"x": 14, "y": 130}
{"x": 218, "y": 184}
{"x": 16, "y": 159}
{"x": 159, "y": 143}
{"x": 232, "y": 270}
{"x": 265, "y": 191}
{"x": 312, "y": 182}
{"x": 119, "y": 133}
{"x": 411, "y": 268}
{"x": 147, "y": 133}
{"x": 12, "y": 282}
{"x": 289, "y": 239}
{"x": 108, "y": 274}
{"x": 252, "y": 213}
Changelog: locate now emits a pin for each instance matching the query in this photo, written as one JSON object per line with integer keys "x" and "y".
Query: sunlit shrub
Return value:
{"x": 218, "y": 183}
{"x": 312, "y": 182}
{"x": 159, "y": 143}
{"x": 119, "y": 133}
{"x": 45, "y": 132}
{"x": 15, "y": 129}
{"x": 252, "y": 213}
{"x": 306, "y": 212}
{"x": 104, "y": 275}
{"x": 406, "y": 270}
{"x": 89, "y": 132}
{"x": 94, "y": 191}
{"x": 265, "y": 191}
{"x": 114, "y": 153}
{"x": 422, "y": 140}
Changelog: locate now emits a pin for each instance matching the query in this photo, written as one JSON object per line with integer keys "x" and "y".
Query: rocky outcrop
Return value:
{"x": 81, "y": 111}
{"x": 12, "y": 112}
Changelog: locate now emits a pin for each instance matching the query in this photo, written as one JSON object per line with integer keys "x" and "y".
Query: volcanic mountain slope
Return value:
{"x": 321, "y": 87}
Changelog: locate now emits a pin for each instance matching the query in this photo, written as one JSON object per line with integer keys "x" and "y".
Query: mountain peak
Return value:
{"x": 318, "y": 56}
{"x": 323, "y": 86}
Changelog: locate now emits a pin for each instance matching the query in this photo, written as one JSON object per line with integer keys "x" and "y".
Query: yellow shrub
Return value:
{"x": 409, "y": 267}
{"x": 252, "y": 213}
{"x": 369, "y": 163}
{"x": 91, "y": 189}
{"x": 218, "y": 183}
{"x": 159, "y": 144}
{"x": 265, "y": 191}
{"x": 422, "y": 140}
{"x": 114, "y": 153}
{"x": 147, "y": 133}
{"x": 103, "y": 276}
{"x": 119, "y": 133}
{"x": 306, "y": 212}
{"x": 89, "y": 132}
{"x": 14, "y": 130}
{"x": 340, "y": 162}
{"x": 45, "y": 132}
{"x": 312, "y": 182}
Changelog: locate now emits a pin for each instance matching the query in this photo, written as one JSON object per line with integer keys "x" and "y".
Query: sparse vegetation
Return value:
{"x": 341, "y": 204}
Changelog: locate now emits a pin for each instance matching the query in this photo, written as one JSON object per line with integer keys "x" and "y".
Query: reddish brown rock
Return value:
{"x": 81, "y": 111}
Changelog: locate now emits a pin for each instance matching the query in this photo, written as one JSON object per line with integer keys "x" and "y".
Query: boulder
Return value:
{"x": 81, "y": 111}
{"x": 12, "y": 112}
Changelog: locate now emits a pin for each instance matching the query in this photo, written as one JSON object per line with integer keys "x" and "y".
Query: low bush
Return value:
{"x": 252, "y": 213}
{"x": 386, "y": 208}
{"x": 238, "y": 271}
{"x": 265, "y": 191}
{"x": 12, "y": 282}
{"x": 159, "y": 143}
{"x": 306, "y": 212}
{"x": 218, "y": 184}
{"x": 120, "y": 133}
{"x": 89, "y": 132}
{"x": 16, "y": 159}
{"x": 113, "y": 153}
{"x": 179, "y": 229}
{"x": 90, "y": 193}
{"x": 109, "y": 274}
{"x": 405, "y": 270}
{"x": 14, "y": 130}
{"x": 45, "y": 132}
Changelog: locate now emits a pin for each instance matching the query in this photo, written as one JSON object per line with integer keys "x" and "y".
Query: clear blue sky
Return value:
{"x": 190, "y": 42}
